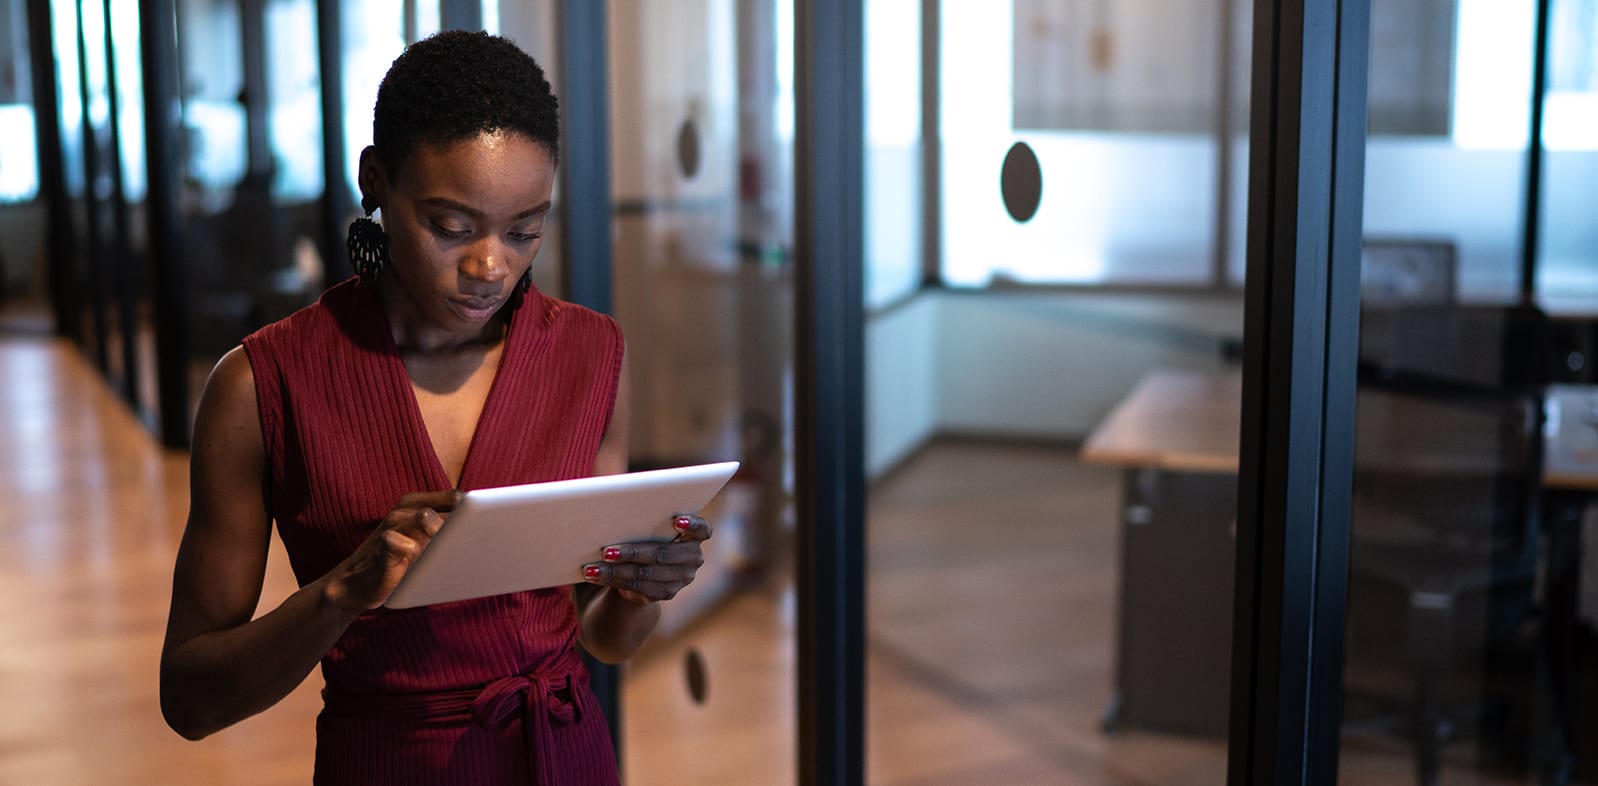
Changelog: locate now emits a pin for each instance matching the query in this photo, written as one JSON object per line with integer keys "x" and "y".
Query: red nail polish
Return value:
{"x": 612, "y": 554}
{"x": 591, "y": 571}
{"x": 683, "y": 522}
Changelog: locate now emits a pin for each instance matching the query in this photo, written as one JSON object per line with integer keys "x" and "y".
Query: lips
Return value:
{"x": 476, "y": 308}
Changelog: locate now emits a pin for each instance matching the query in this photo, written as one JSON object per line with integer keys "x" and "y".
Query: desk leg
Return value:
{"x": 1173, "y": 658}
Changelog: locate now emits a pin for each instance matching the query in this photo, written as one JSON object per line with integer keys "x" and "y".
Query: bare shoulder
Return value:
{"x": 227, "y": 429}
{"x": 232, "y": 374}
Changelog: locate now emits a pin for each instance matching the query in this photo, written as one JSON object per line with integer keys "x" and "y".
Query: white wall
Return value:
{"x": 1052, "y": 365}
{"x": 1028, "y": 364}
{"x": 901, "y": 381}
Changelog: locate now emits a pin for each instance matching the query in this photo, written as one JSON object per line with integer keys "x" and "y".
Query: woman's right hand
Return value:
{"x": 366, "y": 578}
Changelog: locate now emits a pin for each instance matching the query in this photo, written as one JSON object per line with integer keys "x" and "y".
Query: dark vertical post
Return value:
{"x": 91, "y": 201}
{"x": 466, "y": 14}
{"x": 585, "y": 158}
{"x": 585, "y": 218}
{"x": 252, "y": 55}
{"x": 336, "y": 201}
{"x": 1530, "y": 231}
{"x": 1300, "y": 338}
{"x": 157, "y": 21}
{"x": 122, "y": 256}
{"x": 931, "y": 143}
{"x": 829, "y": 207}
{"x": 1224, "y": 97}
{"x": 63, "y": 246}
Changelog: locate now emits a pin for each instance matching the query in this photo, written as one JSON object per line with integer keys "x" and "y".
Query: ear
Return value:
{"x": 372, "y": 179}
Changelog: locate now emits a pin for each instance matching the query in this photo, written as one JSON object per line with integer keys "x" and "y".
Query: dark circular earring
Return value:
{"x": 368, "y": 247}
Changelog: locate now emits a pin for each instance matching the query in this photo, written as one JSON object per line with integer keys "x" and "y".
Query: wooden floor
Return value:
{"x": 992, "y": 574}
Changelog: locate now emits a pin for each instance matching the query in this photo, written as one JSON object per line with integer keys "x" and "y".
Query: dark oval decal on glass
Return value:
{"x": 698, "y": 678}
{"x": 688, "y": 149}
{"x": 1021, "y": 182}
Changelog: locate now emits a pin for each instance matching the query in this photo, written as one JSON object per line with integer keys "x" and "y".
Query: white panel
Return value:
{"x": 1052, "y": 365}
{"x": 901, "y": 381}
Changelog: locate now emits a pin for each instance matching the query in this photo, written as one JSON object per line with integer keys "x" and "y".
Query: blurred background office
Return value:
{"x": 1056, "y": 215}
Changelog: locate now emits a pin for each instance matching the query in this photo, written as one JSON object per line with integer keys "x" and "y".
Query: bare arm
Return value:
{"x": 217, "y": 665}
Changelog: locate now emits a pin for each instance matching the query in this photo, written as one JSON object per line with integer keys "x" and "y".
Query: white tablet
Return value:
{"x": 540, "y": 535}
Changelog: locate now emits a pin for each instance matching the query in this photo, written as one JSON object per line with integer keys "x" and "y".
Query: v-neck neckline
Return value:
{"x": 421, "y": 438}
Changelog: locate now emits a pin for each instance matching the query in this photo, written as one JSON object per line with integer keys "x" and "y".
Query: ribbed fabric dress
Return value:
{"x": 486, "y": 691}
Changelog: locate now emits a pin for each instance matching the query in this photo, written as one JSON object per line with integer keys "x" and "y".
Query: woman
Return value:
{"x": 439, "y": 368}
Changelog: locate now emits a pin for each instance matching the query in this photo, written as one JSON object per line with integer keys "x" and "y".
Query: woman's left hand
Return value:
{"x": 644, "y": 572}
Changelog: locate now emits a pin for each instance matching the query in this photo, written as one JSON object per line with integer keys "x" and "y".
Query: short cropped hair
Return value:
{"x": 453, "y": 86}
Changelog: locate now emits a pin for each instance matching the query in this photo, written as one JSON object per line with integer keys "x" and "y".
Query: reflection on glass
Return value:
{"x": 1462, "y": 607}
{"x": 1466, "y": 182}
{"x": 703, "y": 293}
{"x": 1449, "y": 671}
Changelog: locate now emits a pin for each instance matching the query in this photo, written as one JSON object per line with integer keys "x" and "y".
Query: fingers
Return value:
{"x": 655, "y": 553}
{"x": 441, "y": 501}
{"x": 423, "y": 523}
{"x": 652, "y": 569}
{"x": 691, "y": 527}
{"x": 398, "y": 549}
{"x": 653, "y": 582}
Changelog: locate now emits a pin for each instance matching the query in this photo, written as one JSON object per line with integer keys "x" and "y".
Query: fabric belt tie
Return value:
{"x": 539, "y": 696}
{"x": 547, "y": 699}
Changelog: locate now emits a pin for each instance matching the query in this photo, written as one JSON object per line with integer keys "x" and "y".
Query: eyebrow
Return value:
{"x": 475, "y": 213}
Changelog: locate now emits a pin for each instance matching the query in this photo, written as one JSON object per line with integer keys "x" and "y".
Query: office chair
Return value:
{"x": 1400, "y": 271}
{"x": 1446, "y": 518}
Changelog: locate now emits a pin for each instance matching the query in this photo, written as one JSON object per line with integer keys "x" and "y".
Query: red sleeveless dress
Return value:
{"x": 486, "y": 691}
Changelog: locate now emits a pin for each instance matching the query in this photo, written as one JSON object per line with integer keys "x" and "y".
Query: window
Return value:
{"x": 19, "y": 171}
{"x": 893, "y": 150}
{"x": 1118, "y": 102}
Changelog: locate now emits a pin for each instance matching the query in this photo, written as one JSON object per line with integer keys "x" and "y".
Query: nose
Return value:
{"x": 486, "y": 261}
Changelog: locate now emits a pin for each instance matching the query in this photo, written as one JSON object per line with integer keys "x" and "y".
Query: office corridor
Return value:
{"x": 984, "y": 664}
{"x": 92, "y": 515}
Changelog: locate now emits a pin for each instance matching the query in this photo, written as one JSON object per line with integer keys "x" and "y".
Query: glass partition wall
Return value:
{"x": 1030, "y": 569}
{"x": 1467, "y": 624}
{"x": 701, "y": 118}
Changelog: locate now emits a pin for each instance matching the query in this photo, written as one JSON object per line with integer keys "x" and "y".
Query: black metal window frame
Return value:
{"x": 1306, "y": 193}
{"x": 829, "y": 207}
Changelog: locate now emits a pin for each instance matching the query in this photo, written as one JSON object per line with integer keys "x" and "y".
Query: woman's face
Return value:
{"x": 464, "y": 222}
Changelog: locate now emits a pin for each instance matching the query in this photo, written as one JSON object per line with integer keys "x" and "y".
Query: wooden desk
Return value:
{"x": 1179, "y": 420}
{"x": 1190, "y": 421}
{"x": 1176, "y": 437}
